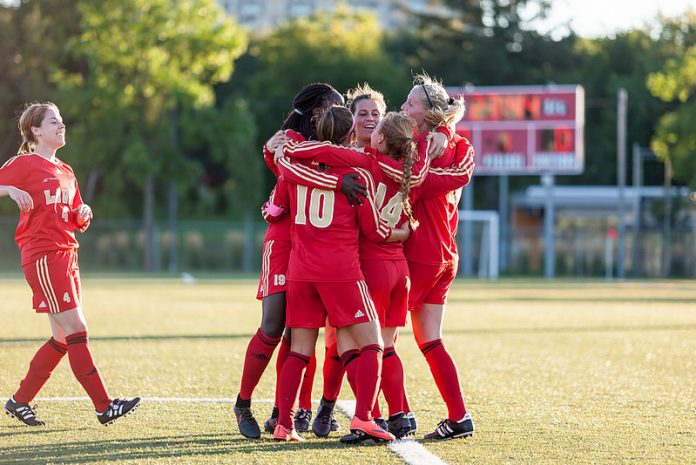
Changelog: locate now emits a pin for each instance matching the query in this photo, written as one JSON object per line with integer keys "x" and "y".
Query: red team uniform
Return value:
{"x": 45, "y": 235}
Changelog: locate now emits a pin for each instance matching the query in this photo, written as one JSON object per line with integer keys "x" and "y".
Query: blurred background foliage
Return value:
{"x": 170, "y": 101}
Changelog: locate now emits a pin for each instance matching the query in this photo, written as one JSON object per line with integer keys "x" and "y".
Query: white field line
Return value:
{"x": 409, "y": 450}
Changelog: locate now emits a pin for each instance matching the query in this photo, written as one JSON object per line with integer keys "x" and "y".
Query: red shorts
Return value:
{"x": 430, "y": 283}
{"x": 389, "y": 284}
{"x": 55, "y": 282}
{"x": 345, "y": 303}
{"x": 274, "y": 268}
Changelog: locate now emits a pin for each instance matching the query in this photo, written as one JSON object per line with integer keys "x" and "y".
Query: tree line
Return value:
{"x": 170, "y": 101}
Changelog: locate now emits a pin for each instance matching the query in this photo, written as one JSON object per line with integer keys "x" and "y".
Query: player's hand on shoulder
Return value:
{"x": 437, "y": 144}
{"x": 277, "y": 140}
{"x": 21, "y": 198}
{"x": 83, "y": 214}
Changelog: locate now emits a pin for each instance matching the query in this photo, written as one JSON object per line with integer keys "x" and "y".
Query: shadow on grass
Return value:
{"x": 183, "y": 446}
{"x": 472, "y": 331}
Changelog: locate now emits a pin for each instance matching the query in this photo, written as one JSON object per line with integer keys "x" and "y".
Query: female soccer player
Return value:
{"x": 432, "y": 251}
{"x": 51, "y": 209}
{"x": 325, "y": 279}
{"x": 308, "y": 106}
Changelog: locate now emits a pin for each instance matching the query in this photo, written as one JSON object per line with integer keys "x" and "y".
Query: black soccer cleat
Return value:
{"x": 22, "y": 412}
{"x": 302, "y": 419}
{"x": 399, "y": 425}
{"x": 117, "y": 409}
{"x": 447, "y": 429}
{"x": 269, "y": 425}
{"x": 248, "y": 426}
{"x": 325, "y": 422}
{"x": 412, "y": 420}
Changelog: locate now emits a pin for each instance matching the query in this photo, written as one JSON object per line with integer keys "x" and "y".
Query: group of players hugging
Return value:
{"x": 361, "y": 233}
{"x": 362, "y": 224}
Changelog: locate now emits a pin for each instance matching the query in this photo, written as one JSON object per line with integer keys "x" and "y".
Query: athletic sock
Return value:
{"x": 368, "y": 380}
{"x": 258, "y": 354}
{"x": 291, "y": 374}
{"x": 393, "y": 380}
{"x": 333, "y": 373}
{"x": 283, "y": 352}
{"x": 350, "y": 362}
{"x": 84, "y": 370}
{"x": 446, "y": 377}
{"x": 305, "y": 400}
{"x": 40, "y": 368}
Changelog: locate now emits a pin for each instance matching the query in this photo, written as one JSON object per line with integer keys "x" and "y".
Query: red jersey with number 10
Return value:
{"x": 51, "y": 224}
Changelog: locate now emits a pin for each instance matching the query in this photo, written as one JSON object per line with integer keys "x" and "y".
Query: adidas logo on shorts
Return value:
{"x": 42, "y": 304}
{"x": 359, "y": 314}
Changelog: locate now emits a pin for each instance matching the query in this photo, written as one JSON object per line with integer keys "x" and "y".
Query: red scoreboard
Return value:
{"x": 525, "y": 129}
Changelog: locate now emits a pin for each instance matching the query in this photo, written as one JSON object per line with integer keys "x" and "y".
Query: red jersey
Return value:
{"x": 436, "y": 205}
{"x": 387, "y": 174}
{"x": 325, "y": 227}
{"x": 51, "y": 224}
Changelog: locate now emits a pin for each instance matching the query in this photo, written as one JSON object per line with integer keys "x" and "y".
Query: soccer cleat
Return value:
{"x": 382, "y": 423}
{"x": 117, "y": 409}
{"x": 281, "y": 433}
{"x": 325, "y": 422}
{"x": 22, "y": 412}
{"x": 248, "y": 426}
{"x": 302, "y": 419}
{"x": 399, "y": 425}
{"x": 270, "y": 424}
{"x": 447, "y": 429}
{"x": 361, "y": 430}
{"x": 412, "y": 420}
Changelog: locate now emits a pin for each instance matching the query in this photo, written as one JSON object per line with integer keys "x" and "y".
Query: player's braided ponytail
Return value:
{"x": 398, "y": 135}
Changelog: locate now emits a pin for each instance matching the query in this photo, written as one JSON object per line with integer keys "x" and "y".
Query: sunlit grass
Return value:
{"x": 552, "y": 372}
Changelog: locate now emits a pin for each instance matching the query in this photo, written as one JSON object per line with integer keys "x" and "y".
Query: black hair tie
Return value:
{"x": 450, "y": 101}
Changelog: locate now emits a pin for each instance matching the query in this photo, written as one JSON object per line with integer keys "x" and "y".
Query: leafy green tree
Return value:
{"x": 143, "y": 64}
{"x": 675, "y": 139}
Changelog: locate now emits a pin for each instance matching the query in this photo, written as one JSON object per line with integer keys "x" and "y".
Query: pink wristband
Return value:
{"x": 274, "y": 210}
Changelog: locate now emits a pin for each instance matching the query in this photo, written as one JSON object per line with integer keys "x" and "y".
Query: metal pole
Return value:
{"x": 622, "y": 103}
{"x": 172, "y": 203}
{"x": 637, "y": 187}
{"x": 503, "y": 197}
{"x": 467, "y": 231}
{"x": 549, "y": 219}
{"x": 667, "y": 224}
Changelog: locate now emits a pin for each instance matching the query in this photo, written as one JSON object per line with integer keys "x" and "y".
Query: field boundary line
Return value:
{"x": 409, "y": 450}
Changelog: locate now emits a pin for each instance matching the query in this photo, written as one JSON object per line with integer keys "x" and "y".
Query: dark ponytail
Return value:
{"x": 313, "y": 96}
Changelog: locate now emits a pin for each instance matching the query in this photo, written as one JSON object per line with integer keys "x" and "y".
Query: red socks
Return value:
{"x": 393, "y": 381}
{"x": 258, "y": 354}
{"x": 348, "y": 359}
{"x": 368, "y": 380}
{"x": 40, "y": 368}
{"x": 333, "y": 373}
{"x": 446, "y": 377}
{"x": 305, "y": 401}
{"x": 283, "y": 352}
{"x": 291, "y": 374}
{"x": 84, "y": 370}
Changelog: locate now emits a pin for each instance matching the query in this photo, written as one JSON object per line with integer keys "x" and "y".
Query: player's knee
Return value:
{"x": 273, "y": 326}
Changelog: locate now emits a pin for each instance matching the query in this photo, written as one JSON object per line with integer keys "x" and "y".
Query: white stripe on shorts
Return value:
{"x": 367, "y": 301}
{"x": 46, "y": 286}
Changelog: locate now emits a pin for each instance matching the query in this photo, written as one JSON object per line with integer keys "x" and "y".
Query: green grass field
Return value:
{"x": 553, "y": 373}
